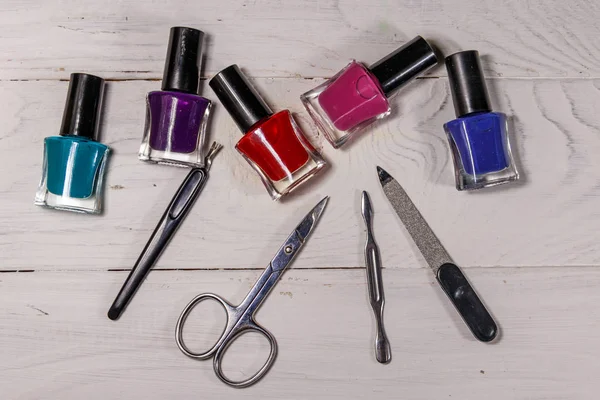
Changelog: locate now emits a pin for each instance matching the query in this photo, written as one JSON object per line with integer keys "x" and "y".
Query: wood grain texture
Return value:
{"x": 549, "y": 218}
{"x": 57, "y": 343}
{"x": 315, "y": 38}
{"x": 530, "y": 249}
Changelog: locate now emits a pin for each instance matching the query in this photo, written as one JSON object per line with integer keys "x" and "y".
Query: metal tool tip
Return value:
{"x": 212, "y": 152}
{"x": 321, "y": 204}
{"x": 308, "y": 223}
{"x": 318, "y": 209}
{"x": 365, "y": 203}
{"x": 384, "y": 177}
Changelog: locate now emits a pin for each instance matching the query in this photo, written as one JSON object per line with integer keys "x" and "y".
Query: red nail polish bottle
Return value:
{"x": 273, "y": 144}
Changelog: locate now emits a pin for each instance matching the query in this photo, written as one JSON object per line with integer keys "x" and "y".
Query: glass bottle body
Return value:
{"x": 278, "y": 151}
{"x": 175, "y": 128}
{"x": 347, "y": 103}
{"x": 481, "y": 151}
{"x": 72, "y": 174}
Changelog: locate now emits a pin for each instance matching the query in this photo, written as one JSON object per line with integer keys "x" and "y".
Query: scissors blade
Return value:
{"x": 284, "y": 257}
{"x": 429, "y": 245}
{"x": 298, "y": 237}
{"x": 306, "y": 226}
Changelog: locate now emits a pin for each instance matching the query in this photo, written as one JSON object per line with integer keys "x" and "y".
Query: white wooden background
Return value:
{"x": 531, "y": 249}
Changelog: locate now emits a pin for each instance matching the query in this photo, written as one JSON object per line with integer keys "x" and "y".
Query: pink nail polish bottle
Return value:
{"x": 358, "y": 95}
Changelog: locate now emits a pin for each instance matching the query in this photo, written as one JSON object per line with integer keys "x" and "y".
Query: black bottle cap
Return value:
{"x": 82, "y": 108}
{"x": 239, "y": 98}
{"x": 467, "y": 83}
{"x": 406, "y": 63}
{"x": 184, "y": 59}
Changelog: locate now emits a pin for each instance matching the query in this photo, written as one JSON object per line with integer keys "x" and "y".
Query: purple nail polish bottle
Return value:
{"x": 176, "y": 116}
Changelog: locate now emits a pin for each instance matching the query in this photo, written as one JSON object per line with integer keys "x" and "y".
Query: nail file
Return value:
{"x": 449, "y": 276}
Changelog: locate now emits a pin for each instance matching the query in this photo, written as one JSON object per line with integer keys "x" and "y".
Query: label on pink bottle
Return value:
{"x": 353, "y": 97}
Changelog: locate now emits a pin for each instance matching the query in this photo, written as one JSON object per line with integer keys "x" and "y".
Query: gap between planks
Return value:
{"x": 496, "y": 267}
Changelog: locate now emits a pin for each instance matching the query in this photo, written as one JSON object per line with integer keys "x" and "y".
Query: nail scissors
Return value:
{"x": 240, "y": 319}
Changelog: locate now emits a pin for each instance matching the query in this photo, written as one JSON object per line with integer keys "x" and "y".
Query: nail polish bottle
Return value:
{"x": 359, "y": 95}
{"x": 176, "y": 116}
{"x": 478, "y": 137}
{"x": 273, "y": 144}
{"x": 74, "y": 162}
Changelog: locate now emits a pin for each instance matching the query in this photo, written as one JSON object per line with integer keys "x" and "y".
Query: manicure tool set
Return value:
{"x": 277, "y": 149}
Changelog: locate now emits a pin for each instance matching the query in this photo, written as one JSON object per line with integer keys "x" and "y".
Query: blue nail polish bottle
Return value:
{"x": 478, "y": 137}
{"x": 74, "y": 162}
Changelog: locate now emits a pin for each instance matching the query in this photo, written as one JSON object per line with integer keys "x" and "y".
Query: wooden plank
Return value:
{"x": 550, "y": 218}
{"x": 543, "y": 65}
{"x": 127, "y": 39}
{"x": 56, "y": 341}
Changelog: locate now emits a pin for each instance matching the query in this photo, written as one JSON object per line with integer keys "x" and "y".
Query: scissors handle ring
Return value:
{"x": 246, "y": 328}
{"x": 229, "y": 310}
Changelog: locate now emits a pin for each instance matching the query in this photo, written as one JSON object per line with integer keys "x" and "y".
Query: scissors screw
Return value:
{"x": 288, "y": 249}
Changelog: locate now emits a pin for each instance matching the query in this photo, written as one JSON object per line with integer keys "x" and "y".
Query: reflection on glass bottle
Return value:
{"x": 352, "y": 97}
{"x": 358, "y": 95}
{"x": 176, "y": 116}
{"x": 273, "y": 144}
{"x": 279, "y": 152}
{"x": 74, "y": 162}
{"x": 478, "y": 137}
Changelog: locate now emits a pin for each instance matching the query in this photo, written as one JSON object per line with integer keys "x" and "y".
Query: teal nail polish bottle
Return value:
{"x": 74, "y": 162}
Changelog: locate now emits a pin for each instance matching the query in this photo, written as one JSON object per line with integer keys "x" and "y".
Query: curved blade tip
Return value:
{"x": 318, "y": 209}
